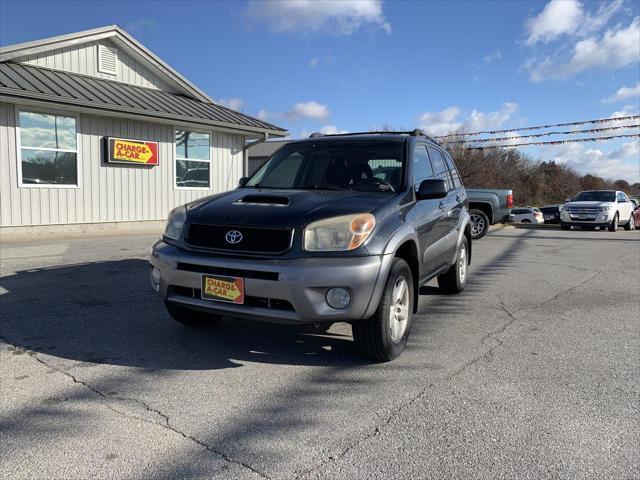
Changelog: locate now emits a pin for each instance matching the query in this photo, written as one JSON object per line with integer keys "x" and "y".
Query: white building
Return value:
{"x": 94, "y": 128}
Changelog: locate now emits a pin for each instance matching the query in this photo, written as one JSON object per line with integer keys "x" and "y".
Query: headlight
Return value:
{"x": 605, "y": 209}
{"x": 347, "y": 232}
{"x": 176, "y": 220}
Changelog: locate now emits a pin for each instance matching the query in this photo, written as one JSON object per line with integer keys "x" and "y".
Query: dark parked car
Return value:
{"x": 323, "y": 232}
{"x": 551, "y": 213}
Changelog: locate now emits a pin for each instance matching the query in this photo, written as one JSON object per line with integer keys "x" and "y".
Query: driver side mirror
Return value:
{"x": 243, "y": 181}
{"x": 432, "y": 188}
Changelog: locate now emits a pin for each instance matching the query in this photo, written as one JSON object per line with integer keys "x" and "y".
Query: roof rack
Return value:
{"x": 413, "y": 133}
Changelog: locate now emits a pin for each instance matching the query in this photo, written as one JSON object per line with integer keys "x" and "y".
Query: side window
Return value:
{"x": 455, "y": 176}
{"x": 440, "y": 168}
{"x": 622, "y": 198}
{"x": 193, "y": 159}
{"x": 422, "y": 168}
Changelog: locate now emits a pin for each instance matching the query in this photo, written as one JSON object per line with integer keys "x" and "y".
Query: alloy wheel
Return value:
{"x": 399, "y": 310}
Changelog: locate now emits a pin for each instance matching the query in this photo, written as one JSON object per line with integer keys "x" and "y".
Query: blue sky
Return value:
{"x": 357, "y": 65}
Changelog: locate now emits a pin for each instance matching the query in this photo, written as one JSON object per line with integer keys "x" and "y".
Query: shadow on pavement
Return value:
{"x": 106, "y": 312}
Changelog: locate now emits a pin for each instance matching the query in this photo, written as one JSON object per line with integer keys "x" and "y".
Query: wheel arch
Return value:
{"x": 486, "y": 207}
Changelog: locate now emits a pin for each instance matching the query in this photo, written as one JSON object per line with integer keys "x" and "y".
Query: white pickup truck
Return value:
{"x": 598, "y": 208}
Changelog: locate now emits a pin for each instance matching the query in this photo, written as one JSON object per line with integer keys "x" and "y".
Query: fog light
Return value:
{"x": 338, "y": 297}
{"x": 154, "y": 276}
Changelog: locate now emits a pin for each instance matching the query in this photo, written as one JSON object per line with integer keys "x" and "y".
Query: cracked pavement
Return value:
{"x": 532, "y": 372}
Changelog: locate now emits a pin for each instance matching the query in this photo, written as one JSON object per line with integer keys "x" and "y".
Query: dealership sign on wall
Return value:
{"x": 140, "y": 152}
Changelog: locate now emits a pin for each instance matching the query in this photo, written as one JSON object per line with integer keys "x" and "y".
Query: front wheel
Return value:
{"x": 613, "y": 226}
{"x": 384, "y": 336}
{"x": 631, "y": 224}
{"x": 479, "y": 223}
{"x": 455, "y": 279}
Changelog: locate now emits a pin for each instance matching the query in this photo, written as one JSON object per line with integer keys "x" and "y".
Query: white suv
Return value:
{"x": 598, "y": 208}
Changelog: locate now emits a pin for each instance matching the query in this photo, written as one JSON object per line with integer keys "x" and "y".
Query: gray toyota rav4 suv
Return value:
{"x": 334, "y": 228}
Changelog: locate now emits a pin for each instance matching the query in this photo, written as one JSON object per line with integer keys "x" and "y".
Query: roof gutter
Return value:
{"x": 245, "y": 152}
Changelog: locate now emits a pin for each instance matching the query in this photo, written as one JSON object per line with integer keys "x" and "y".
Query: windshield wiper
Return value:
{"x": 322, "y": 187}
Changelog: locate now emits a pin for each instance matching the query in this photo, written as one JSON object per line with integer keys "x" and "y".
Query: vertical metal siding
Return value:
{"x": 114, "y": 192}
{"x": 83, "y": 59}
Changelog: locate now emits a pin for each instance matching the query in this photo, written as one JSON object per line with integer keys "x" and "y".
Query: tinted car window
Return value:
{"x": 422, "y": 169}
{"x": 622, "y": 197}
{"x": 595, "y": 196}
{"x": 440, "y": 168}
{"x": 455, "y": 176}
{"x": 341, "y": 165}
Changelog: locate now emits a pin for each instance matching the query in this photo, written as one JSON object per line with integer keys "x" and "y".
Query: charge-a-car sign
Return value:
{"x": 140, "y": 152}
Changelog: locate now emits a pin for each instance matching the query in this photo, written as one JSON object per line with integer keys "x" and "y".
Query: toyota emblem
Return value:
{"x": 233, "y": 236}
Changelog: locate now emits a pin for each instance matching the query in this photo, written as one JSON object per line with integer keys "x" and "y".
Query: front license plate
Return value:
{"x": 223, "y": 289}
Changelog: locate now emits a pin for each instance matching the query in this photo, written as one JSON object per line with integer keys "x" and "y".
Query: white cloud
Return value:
{"x": 449, "y": 120}
{"x": 558, "y": 17}
{"x": 441, "y": 123}
{"x": 140, "y": 26}
{"x": 493, "y": 57}
{"x": 568, "y": 17}
{"x": 262, "y": 114}
{"x": 623, "y": 93}
{"x": 616, "y": 48}
{"x": 311, "y": 110}
{"x": 343, "y": 17}
{"x": 234, "y": 103}
{"x": 623, "y": 162}
{"x": 332, "y": 130}
{"x": 313, "y": 63}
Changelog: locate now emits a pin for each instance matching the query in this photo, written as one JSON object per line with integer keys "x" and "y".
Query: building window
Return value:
{"x": 193, "y": 159}
{"x": 48, "y": 149}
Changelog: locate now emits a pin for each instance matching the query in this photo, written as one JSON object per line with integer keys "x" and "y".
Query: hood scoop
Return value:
{"x": 264, "y": 200}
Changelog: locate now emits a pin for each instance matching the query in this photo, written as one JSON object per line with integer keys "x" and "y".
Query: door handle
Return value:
{"x": 442, "y": 205}
{"x": 458, "y": 198}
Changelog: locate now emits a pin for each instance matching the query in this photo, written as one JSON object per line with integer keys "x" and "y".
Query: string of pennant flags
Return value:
{"x": 541, "y": 127}
{"x": 545, "y": 134}
{"x": 557, "y": 142}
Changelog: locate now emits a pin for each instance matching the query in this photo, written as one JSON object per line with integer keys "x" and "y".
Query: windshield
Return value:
{"x": 373, "y": 166}
{"x": 596, "y": 196}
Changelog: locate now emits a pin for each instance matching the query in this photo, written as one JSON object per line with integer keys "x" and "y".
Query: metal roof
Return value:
{"x": 37, "y": 83}
{"x": 116, "y": 35}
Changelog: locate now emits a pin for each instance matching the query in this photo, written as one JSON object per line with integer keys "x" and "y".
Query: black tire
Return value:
{"x": 613, "y": 226}
{"x": 188, "y": 317}
{"x": 479, "y": 223}
{"x": 455, "y": 279}
{"x": 631, "y": 224}
{"x": 372, "y": 337}
{"x": 526, "y": 221}
{"x": 564, "y": 226}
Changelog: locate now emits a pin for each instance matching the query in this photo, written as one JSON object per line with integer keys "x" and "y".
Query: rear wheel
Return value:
{"x": 188, "y": 317}
{"x": 613, "y": 226}
{"x": 384, "y": 336}
{"x": 631, "y": 224}
{"x": 479, "y": 223}
{"x": 455, "y": 279}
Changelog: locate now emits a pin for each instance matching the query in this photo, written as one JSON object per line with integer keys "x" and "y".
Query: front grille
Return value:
{"x": 254, "y": 240}
{"x": 229, "y": 272}
{"x": 250, "y": 301}
{"x": 584, "y": 211}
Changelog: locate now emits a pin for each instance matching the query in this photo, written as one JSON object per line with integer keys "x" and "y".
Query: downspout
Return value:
{"x": 245, "y": 153}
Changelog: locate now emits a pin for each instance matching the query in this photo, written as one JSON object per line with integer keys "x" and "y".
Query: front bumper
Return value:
{"x": 595, "y": 219}
{"x": 288, "y": 291}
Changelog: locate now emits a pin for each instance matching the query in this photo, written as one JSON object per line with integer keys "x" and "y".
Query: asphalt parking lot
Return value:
{"x": 532, "y": 372}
